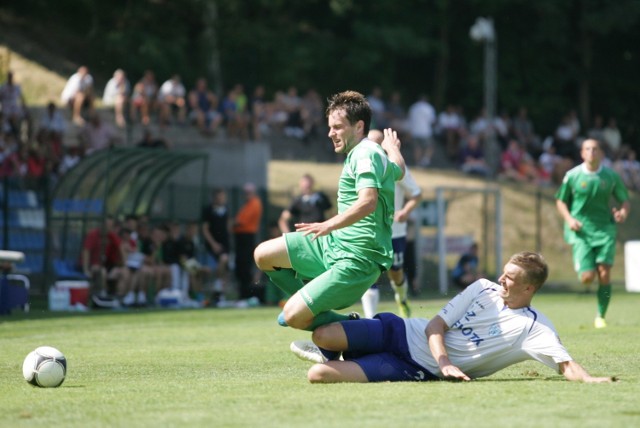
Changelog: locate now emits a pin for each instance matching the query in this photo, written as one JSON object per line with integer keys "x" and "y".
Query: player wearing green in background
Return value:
{"x": 590, "y": 224}
{"x": 342, "y": 256}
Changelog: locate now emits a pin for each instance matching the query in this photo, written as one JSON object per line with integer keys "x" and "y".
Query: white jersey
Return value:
{"x": 486, "y": 336}
{"x": 406, "y": 188}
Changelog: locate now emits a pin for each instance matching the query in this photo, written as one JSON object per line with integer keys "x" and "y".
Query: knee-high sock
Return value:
{"x": 286, "y": 280}
{"x": 326, "y": 318}
{"x": 604, "y": 296}
{"x": 370, "y": 300}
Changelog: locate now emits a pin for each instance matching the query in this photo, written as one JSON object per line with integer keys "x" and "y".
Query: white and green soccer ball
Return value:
{"x": 45, "y": 367}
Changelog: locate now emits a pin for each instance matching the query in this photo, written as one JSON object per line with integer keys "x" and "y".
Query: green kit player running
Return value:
{"x": 590, "y": 224}
{"x": 342, "y": 256}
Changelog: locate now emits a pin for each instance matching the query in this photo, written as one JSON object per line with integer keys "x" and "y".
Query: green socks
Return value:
{"x": 604, "y": 296}
{"x": 286, "y": 280}
{"x": 326, "y": 318}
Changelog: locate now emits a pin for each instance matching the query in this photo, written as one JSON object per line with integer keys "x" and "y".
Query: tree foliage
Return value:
{"x": 552, "y": 55}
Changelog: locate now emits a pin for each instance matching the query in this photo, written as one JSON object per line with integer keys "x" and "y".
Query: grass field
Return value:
{"x": 232, "y": 367}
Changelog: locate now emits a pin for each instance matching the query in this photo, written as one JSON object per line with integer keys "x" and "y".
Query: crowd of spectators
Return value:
{"x": 523, "y": 154}
{"x": 135, "y": 261}
{"x": 67, "y": 132}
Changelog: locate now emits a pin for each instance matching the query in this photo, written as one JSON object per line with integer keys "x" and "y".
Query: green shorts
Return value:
{"x": 586, "y": 258}
{"x": 338, "y": 279}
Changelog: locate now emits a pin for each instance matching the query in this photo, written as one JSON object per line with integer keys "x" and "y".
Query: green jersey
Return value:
{"x": 587, "y": 195}
{"x": 367, "y": 166}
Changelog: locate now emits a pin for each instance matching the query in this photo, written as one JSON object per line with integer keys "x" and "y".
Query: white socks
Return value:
{"x": 370, "y": 300}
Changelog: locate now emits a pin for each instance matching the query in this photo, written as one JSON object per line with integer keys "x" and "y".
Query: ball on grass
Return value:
{"x": 45, "y": 367}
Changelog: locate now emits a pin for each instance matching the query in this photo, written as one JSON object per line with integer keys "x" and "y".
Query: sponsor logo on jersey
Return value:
{"x": 495, "y": 330}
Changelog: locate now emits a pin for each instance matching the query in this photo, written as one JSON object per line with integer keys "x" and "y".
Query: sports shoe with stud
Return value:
{"x": 599, "y": 322}
{"x": 307, "y": 350}
{"x": 354, "y": 316}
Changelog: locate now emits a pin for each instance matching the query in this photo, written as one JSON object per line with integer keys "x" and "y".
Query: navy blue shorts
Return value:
{"x": 379, "y": 346}
{"x": 399, "y": 247}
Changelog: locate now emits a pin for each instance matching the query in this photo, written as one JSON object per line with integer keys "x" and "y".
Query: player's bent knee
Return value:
{"x": 322, "y": 336}
{"x": 587, "y": 277}
{"x": 318, "y": 373}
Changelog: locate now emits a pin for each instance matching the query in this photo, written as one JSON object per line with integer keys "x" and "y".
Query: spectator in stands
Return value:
{"x": 15, "y": 161}
{"x": 502, "y": 127}
{"x": 102, "y": 260}
{"x": 259, "y": 113}
{"x": 312, "y": 114}
{"x": 187, "y": 248}
{"x": 173, "y": 257}
{"x": 472, "y": 160}
{"x": 307, "y": 207}
{"x": 524, "y": 132}
{"x": 552, "y": 167}
{"x": 466, "y": 270}
{"x": 481, "y": 125}
{"x": 144, "y": 98}
{"x": 98, "y": 135}
{"x": 564, "y": 138}
{"x": 277, "y": 114}
{"x": 78, "y": 94}
{"x": 245, "y": 229}
{"x": 517, "y": 164}
{"x": 450, "y": 129}
{"x": 148, "y": 141}
{"x": 232, "y": 121}
{"x": 136, "y": 295}
{"x": 216, "y": 229}
{"x": 204, "y": 107}
{"x": 51, "y": 131}
{"x": 596, "y": 132}
{"x": 71, "y": 157}
{"x": 38, "y": 167}
{"x": 378, "y": 109}
{"x": 612, "y": 138}
{"x": 396, "y": 114}
{"x": 172, "y": 99}
{"x": 422, "y": 118}
{"x": 116, "y": 95}
{"x": 14, "y": 106}
{"x": 154, "y": 273}
{"x": 628, "y": 167}
{"x": 293, "y": 106}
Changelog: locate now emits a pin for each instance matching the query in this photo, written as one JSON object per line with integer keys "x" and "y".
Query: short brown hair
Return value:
{"x": 355, "y": 106}
{"x": 534, "y": 266}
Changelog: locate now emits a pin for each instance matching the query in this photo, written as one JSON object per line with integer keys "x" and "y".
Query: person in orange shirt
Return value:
{"x": 245, "y": 228}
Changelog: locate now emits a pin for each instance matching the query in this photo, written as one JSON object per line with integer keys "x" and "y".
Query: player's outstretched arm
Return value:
{"x": 575, "y": 372}
{"x": 391, "y": 145}
{"x": 435, "y": 337}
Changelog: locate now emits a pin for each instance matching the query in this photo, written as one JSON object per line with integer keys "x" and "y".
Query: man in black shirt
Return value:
{"x": 308, "y": 207}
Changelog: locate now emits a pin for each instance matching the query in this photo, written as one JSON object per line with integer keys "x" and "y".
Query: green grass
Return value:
{"x": 232, "y": 367}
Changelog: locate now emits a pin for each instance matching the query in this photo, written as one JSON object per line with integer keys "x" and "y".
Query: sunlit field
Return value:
{"x": 233, "y": 367}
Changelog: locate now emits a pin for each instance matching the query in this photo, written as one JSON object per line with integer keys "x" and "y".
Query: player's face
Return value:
{"x": 343, "y": 134}
{"x": 591, "y": 152}
{"x": 513, "y": 289}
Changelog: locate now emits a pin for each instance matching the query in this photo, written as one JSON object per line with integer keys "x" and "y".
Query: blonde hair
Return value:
{"x": 534, "y": 267}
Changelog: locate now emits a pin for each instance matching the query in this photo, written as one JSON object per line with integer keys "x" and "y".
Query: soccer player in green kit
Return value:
{"x": 590, "y": 225}
{"x": 342, "y": 256}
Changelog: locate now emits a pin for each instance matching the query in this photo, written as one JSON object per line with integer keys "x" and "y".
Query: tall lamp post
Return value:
{"x": 483, "y": 31}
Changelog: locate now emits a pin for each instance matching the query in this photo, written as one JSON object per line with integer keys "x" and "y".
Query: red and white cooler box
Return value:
{"x": 69, "y": 296}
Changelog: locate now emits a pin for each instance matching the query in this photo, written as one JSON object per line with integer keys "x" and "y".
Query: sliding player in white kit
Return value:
{"x": 485, "y": 328}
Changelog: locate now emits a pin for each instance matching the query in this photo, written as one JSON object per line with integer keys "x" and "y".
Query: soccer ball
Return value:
{"x": 45, "y": 367}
